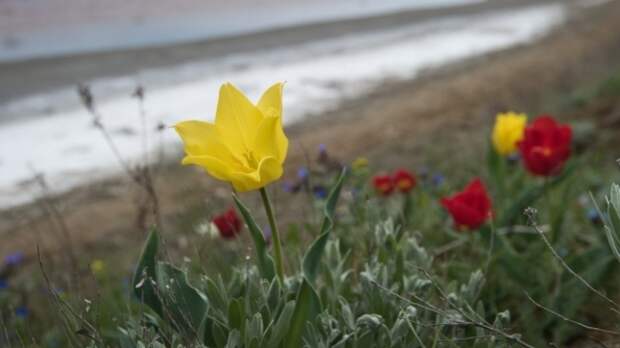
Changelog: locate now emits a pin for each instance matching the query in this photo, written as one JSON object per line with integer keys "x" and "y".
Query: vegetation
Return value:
{"x": 524, "y": 255}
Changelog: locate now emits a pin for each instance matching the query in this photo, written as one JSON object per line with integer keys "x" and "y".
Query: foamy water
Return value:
{"x": 318, "y": 75}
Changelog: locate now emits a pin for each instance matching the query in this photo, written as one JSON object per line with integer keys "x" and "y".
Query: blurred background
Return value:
{"x": 180, "y": 52}
{"x": 89, "y": 91}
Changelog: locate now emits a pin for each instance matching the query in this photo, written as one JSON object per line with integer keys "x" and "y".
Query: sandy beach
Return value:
{"x": 434, "y": 108}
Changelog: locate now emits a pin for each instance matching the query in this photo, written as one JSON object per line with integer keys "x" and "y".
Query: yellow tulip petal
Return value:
{"x": 508, "y": 131}
{"x": 270, "y": 139}
{"x": 236, "y": 118}
{"x": 268, "y": 171}
{"x": 215, "y": 167}
{"x": 270, "y": 103}
{"x": 202, "y": 138}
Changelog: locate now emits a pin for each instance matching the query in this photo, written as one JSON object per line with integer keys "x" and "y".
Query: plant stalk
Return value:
{"x": 275, "y": 235}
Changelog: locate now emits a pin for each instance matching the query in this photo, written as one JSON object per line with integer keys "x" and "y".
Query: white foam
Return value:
{"x": 318, "y": 76}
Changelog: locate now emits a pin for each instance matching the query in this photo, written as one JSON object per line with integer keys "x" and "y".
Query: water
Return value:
{"x": 37, "y": 28}
{"x": 65, "y": 146}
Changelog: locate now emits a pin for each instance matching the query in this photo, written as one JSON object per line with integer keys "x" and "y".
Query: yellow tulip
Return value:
{"x": 508, "y": 131}
{"x": 246, "y": 144}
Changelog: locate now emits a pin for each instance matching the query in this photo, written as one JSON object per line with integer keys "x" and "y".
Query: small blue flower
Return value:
{"x": 322, "y": 148}
{"x": 303, "y": 173}
{"x": 22, "y": 312}
{"x": 437, "y": 179}
{"x": 320, "y": 192}
{"x": 593, "y": 216}
{"x": 14, "y": 259}
{"x": 287, "y": 186}
{"x": 3, "y": 284}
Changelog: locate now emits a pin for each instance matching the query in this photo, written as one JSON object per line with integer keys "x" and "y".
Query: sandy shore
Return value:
{"x": 19, "y": 79}
{"x": 399, "y": 124}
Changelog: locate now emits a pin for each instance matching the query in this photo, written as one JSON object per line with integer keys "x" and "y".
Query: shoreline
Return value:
{"x": 63, "y": 144}
{"x": 28, "y": 77}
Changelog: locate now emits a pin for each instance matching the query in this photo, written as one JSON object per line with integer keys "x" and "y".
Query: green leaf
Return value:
{"x": 145, "y": 275}
{"x": 497, "y": 169}
{"x": 614, "y": 198}
{"x": 594, "y": 266}
{"x": 234, "y": 339}
{"x": 219, "y": 335}
{"x": 236, "y": 314}
{"x": 254, "y": 329}
{"x": 307, "y": 307}
{"x": 528, "y": 197}
{"x": 183, "y": 304}
{"x": 273, "y": 295}
{"x": 281, "y": 326}
{"x": 312, "y": 259}
{"x": 265, "y": 262}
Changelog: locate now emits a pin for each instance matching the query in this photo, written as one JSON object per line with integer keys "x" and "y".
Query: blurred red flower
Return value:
{"x": 469, "y": 208}
{"x": 228, "y": 224}
{"x": 383, "y": 184}
{"x": 546, "y": 146}
{"x": 403, "y": 180}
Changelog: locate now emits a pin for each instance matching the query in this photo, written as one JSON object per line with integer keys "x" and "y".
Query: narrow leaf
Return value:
{"x": 312, "y": 259}
{"x": 265, "y": 262}
{"x": 145, "y": 274}
{"x": 307, "y": 307}
{"x": 281, "y": 326}
{"x": 531, "y": 195}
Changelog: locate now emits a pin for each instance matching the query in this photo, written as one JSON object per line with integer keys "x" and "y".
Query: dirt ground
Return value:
{"x": 403, "y": 123}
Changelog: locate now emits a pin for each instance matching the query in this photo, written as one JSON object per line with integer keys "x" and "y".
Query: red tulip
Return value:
{"x": 228, "y": 224}
{"x": 383, "y": 184}
{"x": 403, "y": 180}
{"x": 546, "y": 146}
{"x": 469, "y": 208}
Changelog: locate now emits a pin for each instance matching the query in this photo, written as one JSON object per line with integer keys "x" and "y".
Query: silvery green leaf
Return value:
{"x": 502, "y": 319}
{"x": 614, "y": 198}
{"x": 347, "y": 314}
{"x": 280, "y": 328}
{"x": 399, "y": 330}
{"x": 273, "y": 294}
{"x": 234, "y": 339}
{"x": 372, "y": 321}
{"x": 471, "y": 291}
{"x": 452, "y": 317}
{"x": 254, "y": 328}
{"x": 410, "y": 313}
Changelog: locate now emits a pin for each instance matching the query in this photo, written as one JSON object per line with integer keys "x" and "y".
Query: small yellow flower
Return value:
{"x": 359, "y": 163}
{"x": 246, "y": 145}
{"x": 97, "y": 266}
{"x": 508, "y": 131}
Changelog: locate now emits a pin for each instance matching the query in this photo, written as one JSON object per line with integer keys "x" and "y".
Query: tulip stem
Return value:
{"x": 275, "y": 235}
